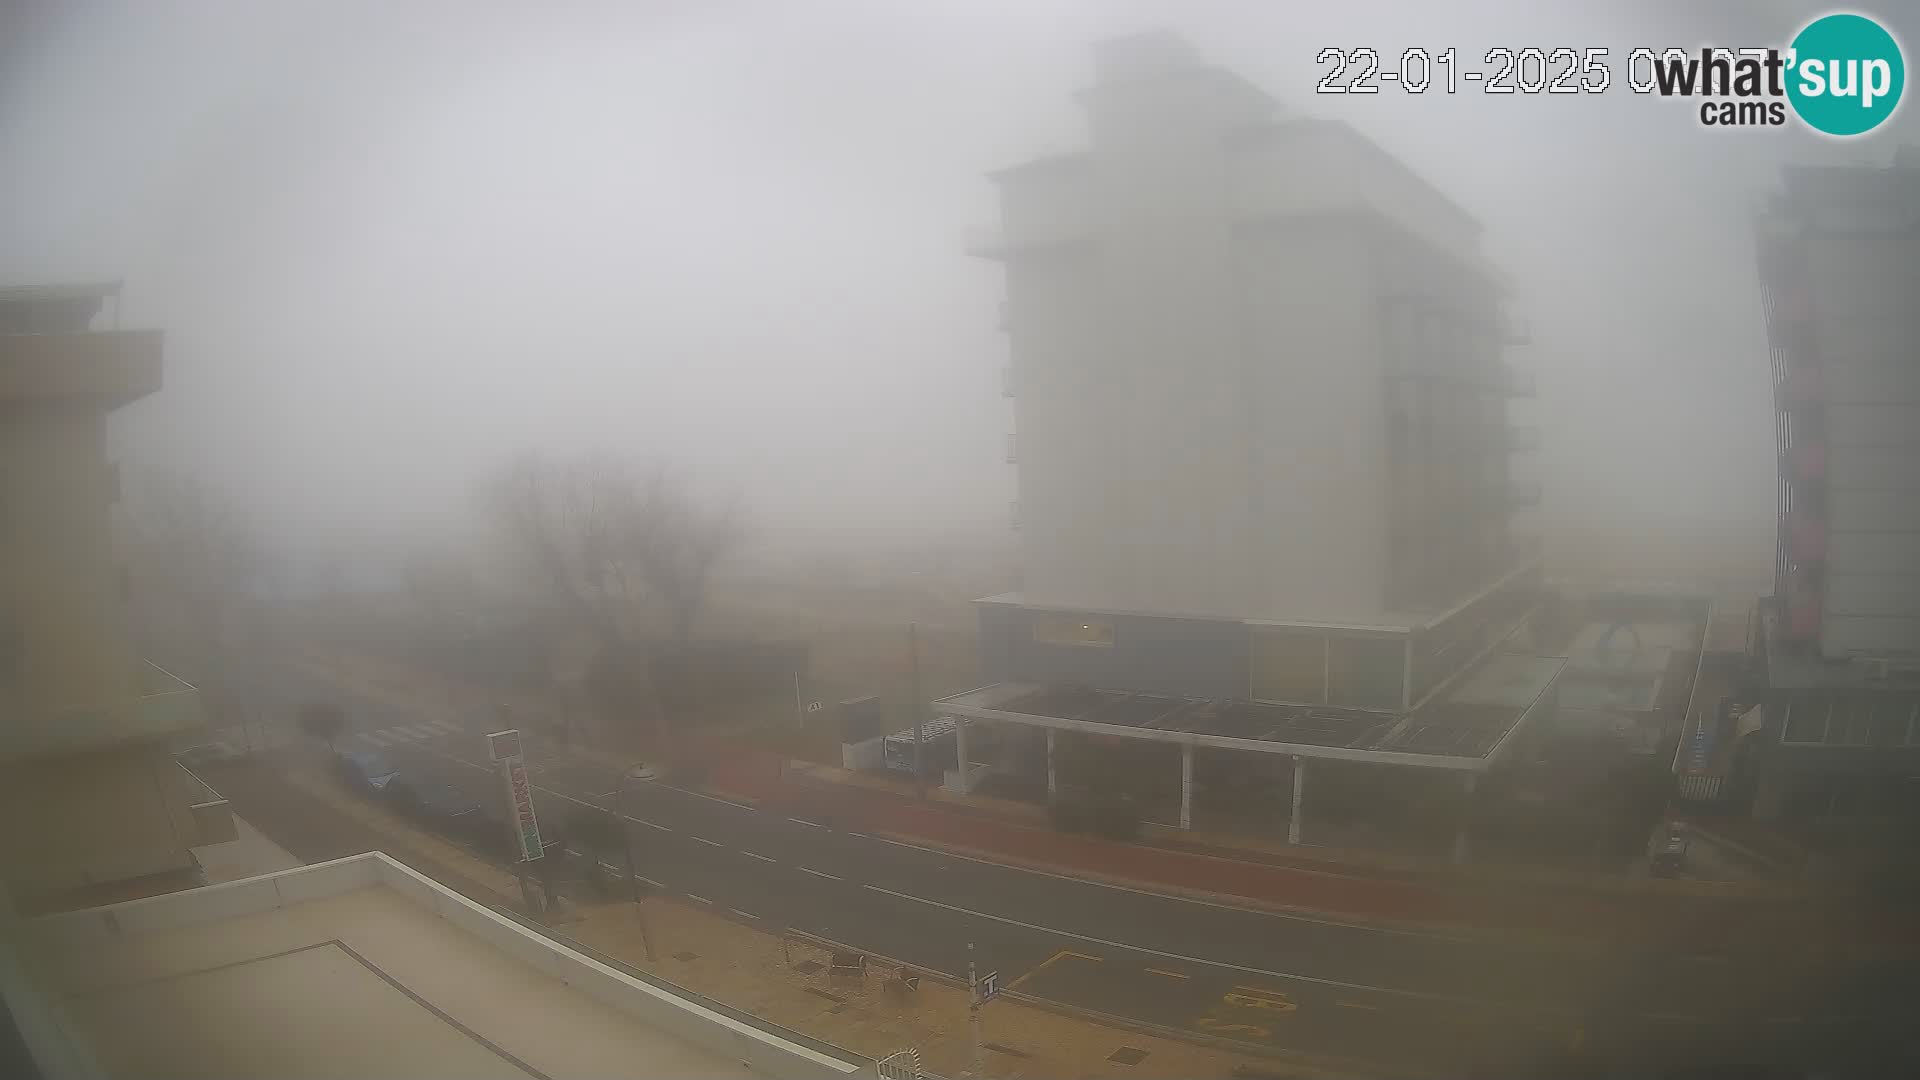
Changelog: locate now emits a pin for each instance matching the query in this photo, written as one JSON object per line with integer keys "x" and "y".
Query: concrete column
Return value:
{"x": 1299, "y": 789}
{"x": 1466, "y": 818}
{"x": 960, "y": 751}
{"x": 1053, "y": 777}
{"x": 1186, "y": 785}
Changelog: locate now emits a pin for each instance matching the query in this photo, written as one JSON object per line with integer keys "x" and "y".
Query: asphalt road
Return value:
{"x": 1431, "y": 1001}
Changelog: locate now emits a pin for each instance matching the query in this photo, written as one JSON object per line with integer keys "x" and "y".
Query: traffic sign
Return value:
{"x": 989, "y": 986}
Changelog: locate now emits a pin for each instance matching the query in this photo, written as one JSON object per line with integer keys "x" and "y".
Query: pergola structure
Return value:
{"x": 1465, "y": 731}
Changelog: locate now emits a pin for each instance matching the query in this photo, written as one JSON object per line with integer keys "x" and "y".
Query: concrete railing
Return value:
{"x": 762, "y": 1046}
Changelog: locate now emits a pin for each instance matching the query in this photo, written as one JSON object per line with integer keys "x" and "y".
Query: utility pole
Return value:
{"x": 973, "y": 1008}
{"x": 919, "y": 734}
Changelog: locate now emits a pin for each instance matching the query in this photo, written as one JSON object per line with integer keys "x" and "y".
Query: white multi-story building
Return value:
{"x": 1256, "y": 360}
{"x": 1262, "y": 441}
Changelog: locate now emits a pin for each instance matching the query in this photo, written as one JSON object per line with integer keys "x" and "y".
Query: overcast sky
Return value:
{"x": 390, "y": 243}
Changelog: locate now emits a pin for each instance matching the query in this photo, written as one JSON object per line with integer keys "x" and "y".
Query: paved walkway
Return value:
{"x": 1706, "y": 920}
{"x": 1701, "y": 921}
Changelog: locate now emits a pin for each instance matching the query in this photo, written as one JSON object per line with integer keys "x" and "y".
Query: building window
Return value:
{"x": 1806, "y": 722}
{"x": 1056, "y": 630}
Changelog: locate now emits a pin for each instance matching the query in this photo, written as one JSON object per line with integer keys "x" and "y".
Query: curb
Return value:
{"x": 1233, "y": 900}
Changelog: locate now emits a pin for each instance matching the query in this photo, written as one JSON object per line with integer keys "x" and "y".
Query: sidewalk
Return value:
{"x": 1706, "y": 920}
{"x": 748, "y": 968}
{"x": 1702, "y": 922}
{"x": 793, "y": 987}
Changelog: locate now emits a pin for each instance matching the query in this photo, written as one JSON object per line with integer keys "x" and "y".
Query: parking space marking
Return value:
{"x": 744, "y": 914}
{"x": 1168, "y": 974}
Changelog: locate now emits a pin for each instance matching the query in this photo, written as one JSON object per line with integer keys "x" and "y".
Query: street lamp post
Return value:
{"x": 640, "y": 771}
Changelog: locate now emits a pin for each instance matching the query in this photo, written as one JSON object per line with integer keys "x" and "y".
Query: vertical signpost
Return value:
{"x": 503, "y": 747}
{"x": 980, "y": 990}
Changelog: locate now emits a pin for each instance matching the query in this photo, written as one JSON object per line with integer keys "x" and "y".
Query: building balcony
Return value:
{"x": 165, "y": 708}
{"x": 1806, "y": 539}
{"x": 1515, "y": 494}
{"x": 1801, "y": 386}
{"x": 1807, "y": 463}
{"x": 116, "y": 366}
{"x": 1002, "y": 242}
{"x": 1013, "y": 515}
{"x": 1522, "y": 439}
{"x": 1013, "y": 449}
{"x": 1006, "y": 380}
{"x": 212, "y": 817}
{"x": 1802, "y": 622}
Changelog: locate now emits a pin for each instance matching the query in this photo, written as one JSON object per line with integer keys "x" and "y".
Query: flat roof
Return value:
{"x": 1464, "y": 730}
{"x": 1381, "y": 623}
{"x": 363, "y": 967}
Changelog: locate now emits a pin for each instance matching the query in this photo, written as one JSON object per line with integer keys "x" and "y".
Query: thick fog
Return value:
{"x": 392, "y": 243}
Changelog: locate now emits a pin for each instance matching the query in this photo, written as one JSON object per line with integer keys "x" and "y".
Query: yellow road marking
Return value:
{"x": 1043, "y": 965}
{"x": 1168, "y": 974}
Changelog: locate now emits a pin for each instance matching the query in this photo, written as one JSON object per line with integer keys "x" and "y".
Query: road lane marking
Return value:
{"x": 1424, "y": 995}
{"x": 1357, "y": 1005}
{"x": 817, "y": 873}
{"x": 804, "y": 821}
{"x": 1168, "y": 974}
{"x": 1041, "y": 966}
{"x": 709, "y": 798}
{"x": 650, "y": 881}
{"x": 757, "y": 855}
{"x": 709, "y": 843}
{"x": 648, "y": 824}
{"x": 744, "y": 914}
{"x": 701, "y": 899}
{"x": 1177, "y": 898}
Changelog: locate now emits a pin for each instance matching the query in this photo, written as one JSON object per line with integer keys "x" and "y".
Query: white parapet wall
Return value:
{"x": 763, "y": 1050}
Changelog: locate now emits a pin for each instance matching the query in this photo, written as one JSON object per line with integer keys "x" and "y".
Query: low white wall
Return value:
{"x": 761, "y": 1050}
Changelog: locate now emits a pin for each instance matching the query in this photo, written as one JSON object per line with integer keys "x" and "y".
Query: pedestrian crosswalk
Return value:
{"x": 406, "y": 733}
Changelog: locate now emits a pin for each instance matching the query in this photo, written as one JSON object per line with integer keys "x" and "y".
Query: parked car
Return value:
{"x": 442, "y": 806}
{"x": 369, "y": 773}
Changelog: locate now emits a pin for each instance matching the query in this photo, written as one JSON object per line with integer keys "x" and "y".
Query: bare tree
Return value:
{"x": 675, "y": 542}
{"x": 612, "y": 550}
{"x": 194, "y": 561}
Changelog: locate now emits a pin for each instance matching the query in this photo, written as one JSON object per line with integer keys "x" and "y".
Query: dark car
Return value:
{"x": 442, "y": 806}
{"x": 370, "y": 773}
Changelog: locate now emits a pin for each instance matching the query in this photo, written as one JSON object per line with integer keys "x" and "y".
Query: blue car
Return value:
{"x": 370, "y": 773}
